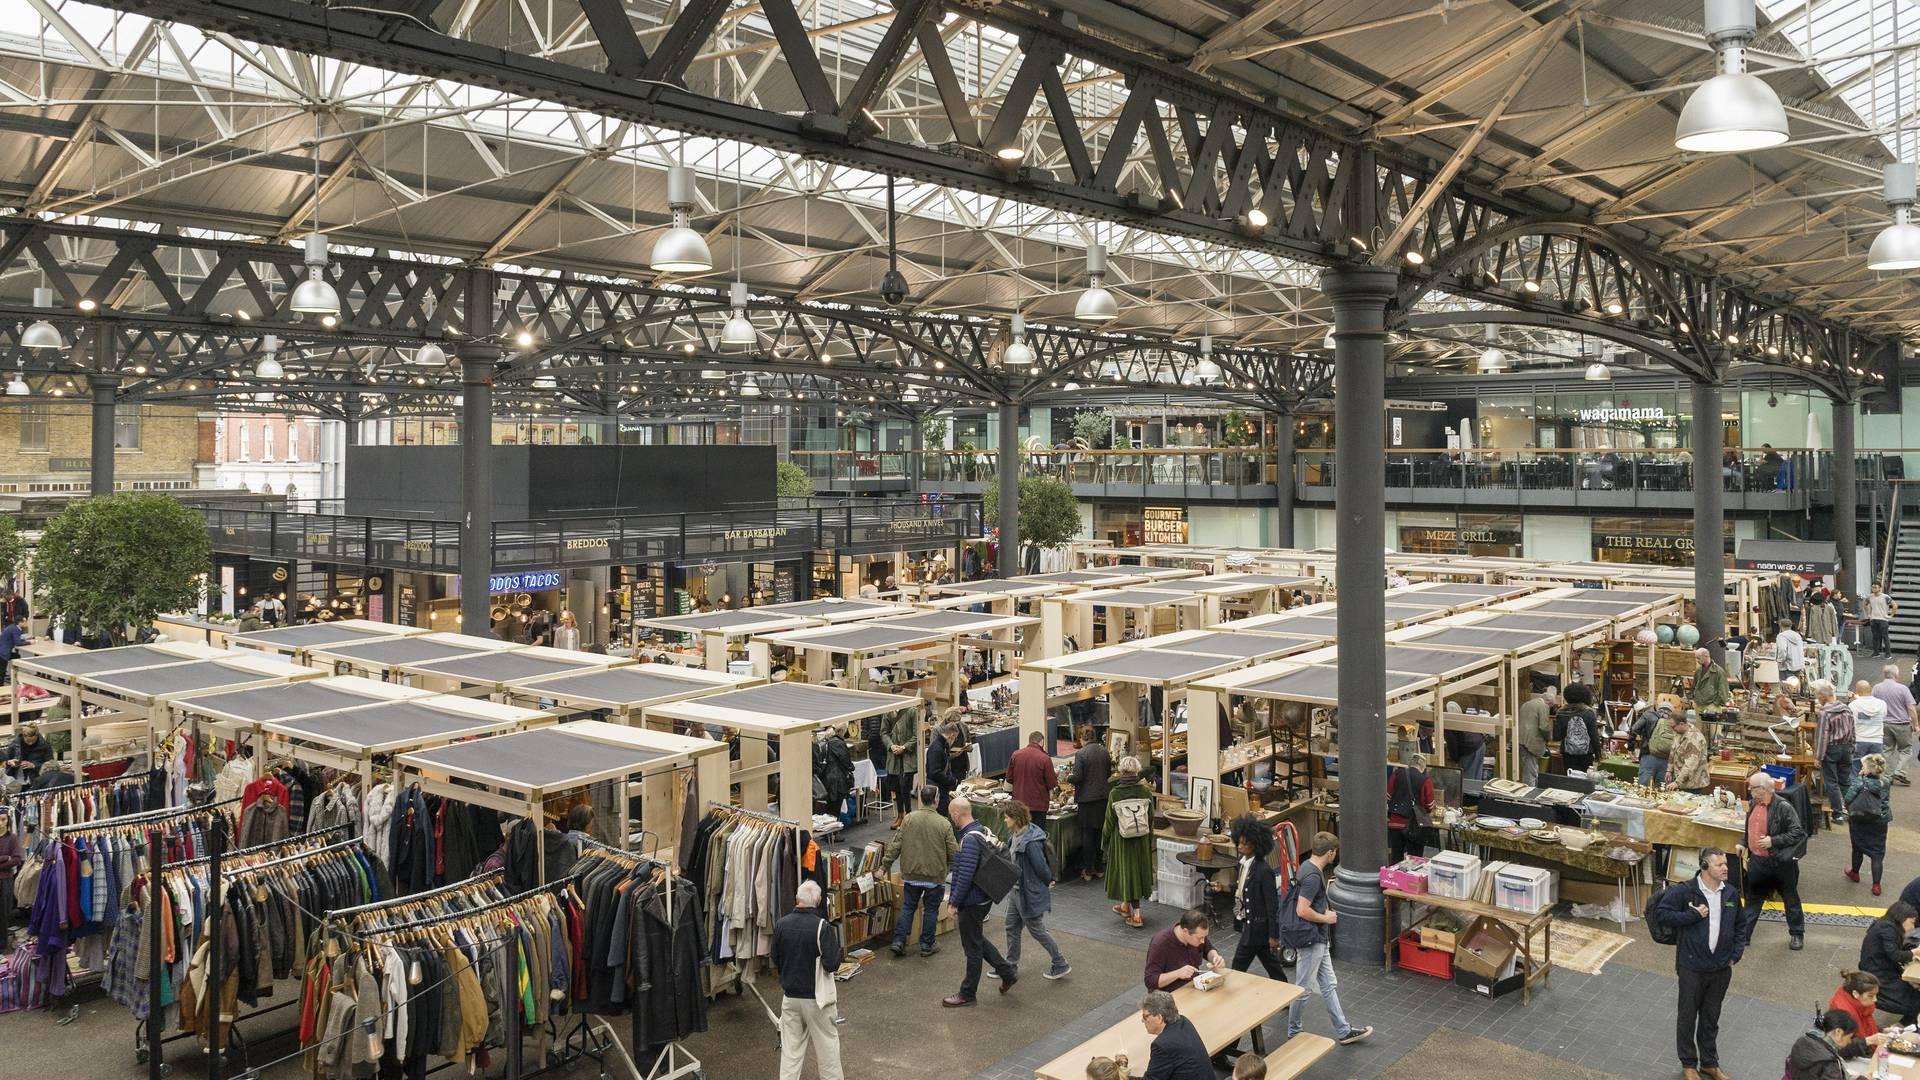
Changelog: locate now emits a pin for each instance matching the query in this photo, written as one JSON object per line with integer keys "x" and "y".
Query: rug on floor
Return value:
{"x": 1452, "y": 1055}
{"x": 1583, "y": 948}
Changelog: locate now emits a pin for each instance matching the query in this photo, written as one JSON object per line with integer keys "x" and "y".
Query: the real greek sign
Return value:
{"x": 1611, "y": 415}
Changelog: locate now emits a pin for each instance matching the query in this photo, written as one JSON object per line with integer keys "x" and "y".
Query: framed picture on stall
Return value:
{"x": 1117, "y": 743}
{"x": 1200, "y": 795}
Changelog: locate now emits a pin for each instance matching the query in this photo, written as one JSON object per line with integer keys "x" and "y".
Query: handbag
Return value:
{"x": 826, "y": 992}
{"x": 996, "y": 873}
{"x": 1864, "y": 809}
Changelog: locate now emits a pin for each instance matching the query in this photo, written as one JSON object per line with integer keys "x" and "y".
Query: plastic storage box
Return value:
{"x": 1526, "y": 889}
{"x": 1453, "y": 874}
{"x": 1416, "y": 957}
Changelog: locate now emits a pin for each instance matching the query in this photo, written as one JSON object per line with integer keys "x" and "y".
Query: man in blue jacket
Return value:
{"x": 969, "y": 906}
{"x": 1704, "y": 916}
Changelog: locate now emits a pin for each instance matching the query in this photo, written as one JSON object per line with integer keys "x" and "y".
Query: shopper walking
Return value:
{"x": 1869, "y": 812}
{"x": 1690, "y": 763}
{"x": 1032, "y": 898}
{"x": 803, "y": 946}
{"x": 1655, "y": 754}
{"x": 969, "y": 905}
{"x": 1775, "y": 842}
{"x": 1580, "y": 730}
{"x": 1536, "y": 731}
{"x": 1880, "y": 609}
{"x": 903, "y": 759}
{"x": 1869, "y": 722}
{"x": 1884, "y": 955}
{"x": 1127, "y": 841}
{"x": 1179, "y": 1053}
{"x": 1790, "y": 649}
{"x": 1256, "y": 900}
{"x": 1703, "y": 914}
{"x": 1898, "y": 699}
{"x": 1030, "y": 774}
{"x": 1304, "y": 919}
{"x": 925, "y": 847}
{"x": 1091, "y": 766}
{"x": 1833, "y": 735}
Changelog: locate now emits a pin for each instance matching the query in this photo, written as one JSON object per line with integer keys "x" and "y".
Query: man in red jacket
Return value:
{"x": 1030, "y": 771}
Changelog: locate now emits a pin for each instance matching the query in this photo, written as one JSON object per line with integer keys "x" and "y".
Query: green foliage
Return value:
{"x": 13, "y": 550}
{"x": 790, "y": 481}
{"x": 116, "y": 562}
{"x": 1049, "y": 514}
{"x": 1096, "y": 427}
{"x": 1236, "y": 429}
{"x": 933, "y": 432}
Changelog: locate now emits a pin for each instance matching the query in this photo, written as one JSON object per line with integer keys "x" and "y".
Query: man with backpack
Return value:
{"x": 1304, "y": 920}
{"x": 969, "y": 901}
{"x": 1701, "y": 919}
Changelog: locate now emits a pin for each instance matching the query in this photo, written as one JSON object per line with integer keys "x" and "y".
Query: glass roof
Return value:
{"x": 1845, "y": 36}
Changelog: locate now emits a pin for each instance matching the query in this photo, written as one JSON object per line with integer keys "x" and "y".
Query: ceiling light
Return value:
{"x": 1614, "y": 307}
{"x": 912, "y": 393}
{"x": 269, "y": 365}
{"x": 739, "y": 329}
{"x": 1898, "y": 245}
{"x": 1257, "y": 218}
{"x": 1096, "y": 304}
{"x": 1019, "y": 354}
{"x": 546, "y": 382}
{"x": 139, "y": 369}
{"x": 1010, "y": 152}
{"x": 1071, "y": 387}
{"x": 1415, "y": 258}
{"x": 87, "y": 304}
{"x": 713, "y": 374}
{"x": 1530, "y": 285}
{"x": 1733, "y": 111}
{"x": 1328, "y": 342}
{"x": 315, "y": 296}
{"x": 749, "y": 387}
{"x": 524, "y": 339}
{"x": 1597, "y": 372}
{"x": 17, "y": 386}
{"x": 1206, "y": 370}
{"x": 243, "y": 316}
{"x": 430, "y": 355}
{"x": 680, "y": 250}
{"x": 41, "y": 334}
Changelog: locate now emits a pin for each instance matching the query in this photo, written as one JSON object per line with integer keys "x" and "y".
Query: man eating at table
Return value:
{"x": 1176, "y": 954}
{"x": 1178, "y": 1051}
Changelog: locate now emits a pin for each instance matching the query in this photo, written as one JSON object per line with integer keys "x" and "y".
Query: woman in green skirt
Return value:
{"x": 1127, "y": 841}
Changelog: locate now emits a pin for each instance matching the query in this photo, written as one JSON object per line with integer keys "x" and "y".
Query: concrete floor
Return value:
{"x": 1615, "y": 1024}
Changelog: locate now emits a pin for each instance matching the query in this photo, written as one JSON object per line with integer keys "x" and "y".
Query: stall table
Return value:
{"x": 1525, "y": 927}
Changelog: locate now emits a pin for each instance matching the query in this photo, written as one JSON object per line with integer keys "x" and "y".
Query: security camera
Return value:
{"x": 893, "y": 288}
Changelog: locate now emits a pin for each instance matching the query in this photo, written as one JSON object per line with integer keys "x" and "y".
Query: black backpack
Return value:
{"x": 1660, "y": 932}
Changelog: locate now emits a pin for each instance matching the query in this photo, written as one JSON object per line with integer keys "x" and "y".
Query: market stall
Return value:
{"x": 140, "y": 696}
{"x": 58, "y": 672}
{"x": 484, "y": 674}
{"x": 1461, "y": 596}
{"x": 621, "y": 694}
{"x": 1520, "y": 651}
{"x": 1462, "y": 675}
{"x": 296, "y": 643}
{"x": 241, "y": 715}
{"x": 1122, "y": 614}
{"x": 1628, "y": 609}
{"x": 517, "y": 773}
{"x": 782, "y": 716}
{"x": 721, "y": 634}
{"x": 386, "y": 657}
{"x": 1236, "y": 595}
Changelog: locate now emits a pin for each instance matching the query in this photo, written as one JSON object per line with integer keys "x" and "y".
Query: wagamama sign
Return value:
{"x": 1611, "y": 415}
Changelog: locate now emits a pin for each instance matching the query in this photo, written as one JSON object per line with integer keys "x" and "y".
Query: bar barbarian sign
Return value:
{"x": 755, "y": 534}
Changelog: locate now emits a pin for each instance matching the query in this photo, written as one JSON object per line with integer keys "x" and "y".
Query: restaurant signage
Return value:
{"x": 1643, "y": 542}
{"x": 1612, "y": 415}
{"x": 531, "y": 581}
{"x": 1164, "y": 525}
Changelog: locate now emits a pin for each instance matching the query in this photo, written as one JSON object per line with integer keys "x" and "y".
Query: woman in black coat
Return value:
{"x": 1256, "y": 899}
{"x": 938, "y": 768}
{"x": 1884, "y": 954}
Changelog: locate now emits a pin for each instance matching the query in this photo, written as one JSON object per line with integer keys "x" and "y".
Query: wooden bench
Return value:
{"x": 1297, "y": 1055}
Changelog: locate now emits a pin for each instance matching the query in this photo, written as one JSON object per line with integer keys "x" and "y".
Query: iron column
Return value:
{"x": 1709, "y": 518}
{"x": 1283, "y": 484}
{"x": 106, "y": 386}
{"x": 1360, "y": 296}
{"x": 476, "y": 485}
{"x": 1009, "y": 480}
{"x": 917, "y": 443}
{"x": 1846, "y": 497}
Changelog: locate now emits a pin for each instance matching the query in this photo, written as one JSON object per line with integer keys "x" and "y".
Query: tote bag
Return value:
{"x": 826, "y": 992}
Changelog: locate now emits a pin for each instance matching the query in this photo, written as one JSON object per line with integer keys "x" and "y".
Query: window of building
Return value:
{"x": 293, "y": 442}
{"x": 266, "y": 442}
{"x": 33, "y": 428}
{"x": 246, "y": 442}
{"x": 126, "y": 427}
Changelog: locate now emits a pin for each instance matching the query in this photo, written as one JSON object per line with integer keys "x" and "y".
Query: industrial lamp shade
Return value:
{"x": 17, "y": 387}
{"x": 680, "y": 250}
{"x": 546, "y": 382}
{"x": 1096, "y": 304}
{"x": 314, "y": 296}
{"x": 269, "y": 368}
{"x": 1020, "y": 354}
{"x": 1598, "y": 372}
{"x": 749, "y": 387}
{"x": 1492, "y": 359}
{"x": 430, "y": 355}
{"x": 1898, "y": 245}
{"x": 1729, "y": 113}
{"x": 41, "y": 334}
{"x": 738, "y": 331}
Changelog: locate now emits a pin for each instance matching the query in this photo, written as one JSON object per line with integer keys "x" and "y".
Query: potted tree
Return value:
{"x": 1049, "y": 514}
{"x": 110, "y": 564}
{"x": 790, "y": 481}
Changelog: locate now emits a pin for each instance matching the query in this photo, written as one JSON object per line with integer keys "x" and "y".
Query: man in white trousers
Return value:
{"x": 803, "y": 944}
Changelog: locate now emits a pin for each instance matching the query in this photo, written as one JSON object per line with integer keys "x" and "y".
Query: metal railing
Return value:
{"x": 1534, "y": 470}
{"x": 769, "y": 531}
{"x": 842, "y": 470}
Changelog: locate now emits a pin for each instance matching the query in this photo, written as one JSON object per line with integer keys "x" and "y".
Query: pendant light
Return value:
{"x": 680, "y": 250}
{"x": 41, "y": 334}
{"x": 269, "y": 366}
{"x": 430, "y": 355}
{"x": 893, "y": 284}
{"x": 17, "y": 386}
{"x": 738, "y": 331}
{"x": 1206, "y": 370}
{"x": 1733, "y": 111}
{"x": 1598, "y": 372}
{"x": 1019, "y": 354}
{"x": 911, "y": 393}
{"x": 749, "y": 387}
{"x": 1491, "y": 358}
{"x": 1096, "y": 303}
{"x": 1898, "y": 245}
{"x": 315, "y": 296}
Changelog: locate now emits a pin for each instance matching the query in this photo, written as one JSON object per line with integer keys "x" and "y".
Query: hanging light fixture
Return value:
{"x": 713, "y": 374}
{"x": 315, "y": 296}
{"x": 269, "y": 365}
{"x": 430, "y": 355}
{"x": 1328, "y": 342}
{"x": 893, "y": 284}
{"x": 1733, "y": 111}
{"x": 911, "y": 393}
{"x": 1598, "y": 372}
{"x": 1019, "y": 354}
{"x": 1096, "y": 304}
{"x": 680, "y": 250}
{"x": 1491, "y": 358}
{"x": 749, "y": 387}
{"x": 1206, "y": 370}
{"x": 17, "y": 386}
{"x": 739, "y": 329}
{"x": 1898, "y": 245}
{"x": 546, "y": 382}
{"x": 41, "y": 334}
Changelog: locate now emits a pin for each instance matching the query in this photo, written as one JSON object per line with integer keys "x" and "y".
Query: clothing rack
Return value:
{"x": 414, "y": 898}
{"x": 290, "y": 841}
{"x": 145, "y": 817}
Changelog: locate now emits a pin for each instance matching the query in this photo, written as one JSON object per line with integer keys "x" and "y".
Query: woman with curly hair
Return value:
{"x": 1256, "y": 900}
